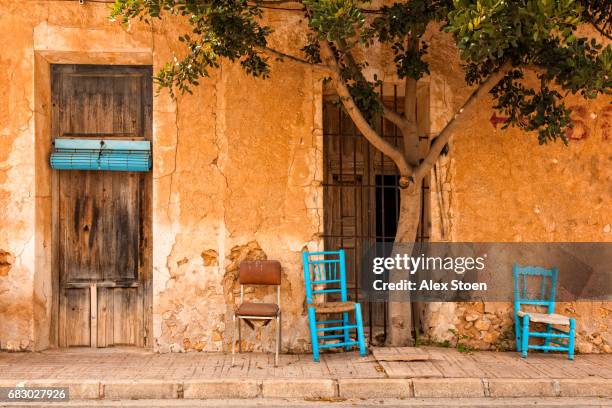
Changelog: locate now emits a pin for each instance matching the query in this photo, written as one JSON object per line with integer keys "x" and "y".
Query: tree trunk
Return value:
{"x": 399, "y": 332}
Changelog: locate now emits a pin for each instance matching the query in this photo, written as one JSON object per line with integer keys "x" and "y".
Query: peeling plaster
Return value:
{"x": 238, "y": 168}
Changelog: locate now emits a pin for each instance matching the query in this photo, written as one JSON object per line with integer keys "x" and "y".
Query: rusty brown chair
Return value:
{"x": 258, "y": 273}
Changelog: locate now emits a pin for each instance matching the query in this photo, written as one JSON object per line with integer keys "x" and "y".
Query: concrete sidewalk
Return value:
{"x": 124, "y": 374}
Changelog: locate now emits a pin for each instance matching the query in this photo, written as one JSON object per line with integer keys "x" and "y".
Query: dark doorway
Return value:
{"x": 387, "y": 207}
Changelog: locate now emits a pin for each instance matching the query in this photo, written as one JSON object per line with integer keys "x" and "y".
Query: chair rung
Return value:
{"x": 341, "y": 344}
{"x": 323, "y": 282}
{"x": 550, "y": 335}
{"x": 549, "y": 348}
{"x": 534, "y": 302}
{"x": 329, "y": 321}
{"x": 324, "y": 329}
{"x": 331, "y": 336}
{"x": 559, "y": 330}
{"x": 319, "y": 261}
{"x": 319, "y": 291}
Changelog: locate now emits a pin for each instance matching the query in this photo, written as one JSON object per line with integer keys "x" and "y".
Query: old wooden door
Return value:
{"x": 102, "y": 218}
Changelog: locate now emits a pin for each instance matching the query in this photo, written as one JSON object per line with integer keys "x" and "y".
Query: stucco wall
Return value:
{"x": 237, "y": 174}
{"x": 237, "y": 169}
{"x": 502, "y": 186}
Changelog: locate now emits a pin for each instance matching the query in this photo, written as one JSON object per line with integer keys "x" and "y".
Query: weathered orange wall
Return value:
{"x": 237, "y": 174}
{"x": 237, "y": 169}
{"x": 502, "y": 186}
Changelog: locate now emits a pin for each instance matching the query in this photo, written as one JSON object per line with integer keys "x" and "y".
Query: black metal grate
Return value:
{"x": 361, "y": 198}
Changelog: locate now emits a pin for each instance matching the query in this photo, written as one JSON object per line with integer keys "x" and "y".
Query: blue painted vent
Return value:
{"x": 97, "y": 154}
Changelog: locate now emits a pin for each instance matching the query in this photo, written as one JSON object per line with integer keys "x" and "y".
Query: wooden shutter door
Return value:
{"x": 103, "y": 218}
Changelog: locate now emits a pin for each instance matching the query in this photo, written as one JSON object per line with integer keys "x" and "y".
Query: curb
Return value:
{"x": 359, "y": 388}
{"x": 375, "y": 388}
{"x": 140, "y": 389}
{"x": 448, "y": 387}
{"x": 585, "y": 387}
{"x": 298, "y": 388}
{"x": 220, "y": 389}
{"x": 505, "y": 387}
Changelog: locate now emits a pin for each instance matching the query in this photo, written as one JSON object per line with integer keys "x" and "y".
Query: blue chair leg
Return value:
{"x": 517, "y": 332}
{"x": 360, "y": 335}
{"x": 347, "y": 337}
{"x": 570, "y": 341}
{"x": 314, "y": 338}
{"x": 547, "y": 339}
{"x": 525, "y": 336}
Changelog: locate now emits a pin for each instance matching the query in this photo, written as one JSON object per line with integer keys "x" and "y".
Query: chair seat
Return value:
{"x": 335, "y": 307}
{"x": 258, "y": 309}
{"x": 551, "y": 318}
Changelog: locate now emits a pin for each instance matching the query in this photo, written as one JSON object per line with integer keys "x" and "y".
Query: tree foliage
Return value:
{"x": 536, "y": 34}
{"x": 599, "y": 13}
{"x": 492, "y": 36}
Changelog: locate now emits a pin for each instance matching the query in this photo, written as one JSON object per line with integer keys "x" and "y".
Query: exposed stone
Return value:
{"x": 584, "y": 347}
{"x": 471, "y": 317}
{"x": 482, "y": 324}
{"x": 249, "y": 252}
{"x": 216, "y": 336}
{"x": 6, "y": 261}
{"x": 491, "y": 337}
{"x": 210, "y": 257}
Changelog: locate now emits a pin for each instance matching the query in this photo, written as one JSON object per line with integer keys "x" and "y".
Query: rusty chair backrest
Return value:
{"x": 260, "y": 273}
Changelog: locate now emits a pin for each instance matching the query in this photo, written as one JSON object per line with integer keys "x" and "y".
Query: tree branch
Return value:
{"x": 353, "y": 111}
{"x": 445, "y": 134}
{"x": 282, "y": 55}
{"x": 394, "y": 117}
{"x": 411, "y": 132}
{"x": 397, "y": 119}
{"x": 273, "y": 2}
{"x": 600, "y": 30}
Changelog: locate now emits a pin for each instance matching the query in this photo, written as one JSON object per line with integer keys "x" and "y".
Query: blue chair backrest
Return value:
{"x": 545, "y": 296}
{"x": 324, "y": 272}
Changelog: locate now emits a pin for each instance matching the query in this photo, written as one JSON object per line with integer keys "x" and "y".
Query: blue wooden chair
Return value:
{"x": 324, "y": 274}
{"x": 542, "y": 298}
